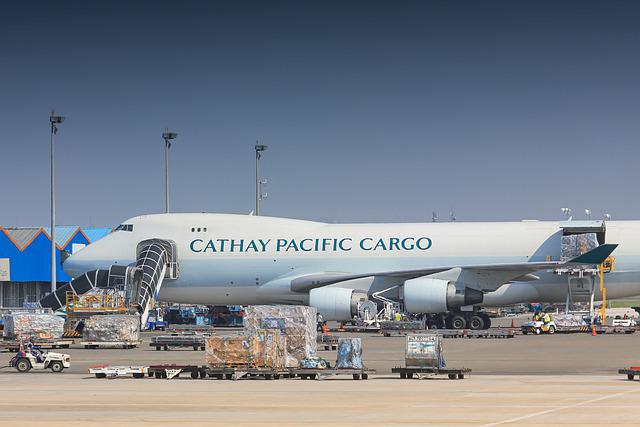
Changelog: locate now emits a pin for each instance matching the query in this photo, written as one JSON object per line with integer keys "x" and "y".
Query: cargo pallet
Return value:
{"x": 43, "y": 344}
{"x": 166, "y": 341}
{"x": 328, "y": 342}
{"x": 630, "y": 372}
{"x": 497, "y": 333}
{"x": 451, "y": 373}
{"x": 109, "y": 344}
{"x": 320, "y": 374}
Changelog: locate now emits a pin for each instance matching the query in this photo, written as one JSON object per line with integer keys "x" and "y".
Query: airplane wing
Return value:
{"x": 487, "y": 277}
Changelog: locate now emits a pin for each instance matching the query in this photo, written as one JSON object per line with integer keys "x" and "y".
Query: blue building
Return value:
{"x": 25, "y": 259}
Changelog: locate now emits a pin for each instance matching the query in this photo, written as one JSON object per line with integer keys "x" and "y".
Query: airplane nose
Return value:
{"x": 64, "y": 255}
{"x": 70, "y": 264}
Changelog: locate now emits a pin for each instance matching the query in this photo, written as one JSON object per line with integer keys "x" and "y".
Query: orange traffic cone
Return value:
{"x": 324, "y": 328}
{"x": 593, "y": 330}
{"x": 513, "y": 324}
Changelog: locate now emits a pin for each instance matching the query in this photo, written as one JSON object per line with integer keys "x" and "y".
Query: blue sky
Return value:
{"x": 373, "y": 111}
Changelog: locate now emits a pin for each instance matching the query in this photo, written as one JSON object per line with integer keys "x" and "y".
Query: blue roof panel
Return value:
{"x": 63, "y": 233}
{"x": 96, "y": 233}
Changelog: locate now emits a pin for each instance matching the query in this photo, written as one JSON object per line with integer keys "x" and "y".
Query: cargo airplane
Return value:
{"x": 446, "y": 269}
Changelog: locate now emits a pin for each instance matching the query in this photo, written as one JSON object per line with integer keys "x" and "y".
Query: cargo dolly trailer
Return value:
{"x": 105, "y": 371}
{"x": 320, "y": 374}
{"x": 631, "y": 372}
{"x": 453, "y": 374}
{"x": 109, "y": 344}
{"x": 195, "y": 341}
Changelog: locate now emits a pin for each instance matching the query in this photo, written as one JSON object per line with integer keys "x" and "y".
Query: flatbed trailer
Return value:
{"x": 109, "y": 344}
{"x": 409, "y": 372}
{"x": 195, "y": 341}
{"x": 169, "y": 371}
{"x": 320, "y": 374}
{"x": 631, "y": 372}
{"x": 14, "y": 345}
{"x": 493, "y": 333}
{"x": 105, "y": 371}
{"x": 241, "y": 372}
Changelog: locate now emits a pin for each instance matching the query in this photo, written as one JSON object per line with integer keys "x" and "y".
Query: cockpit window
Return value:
{"x": 124, "y": 227}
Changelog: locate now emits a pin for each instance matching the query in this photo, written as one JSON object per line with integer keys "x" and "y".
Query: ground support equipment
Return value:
{"x": 320, "y": 374}
{"x": 240, "y": 372}
{"x": 110, "y": 344}
{"x": 631, "y": 372}
{"x": 418, "y": 371}
{"x": 105, "y": 371}
{"x": 13, "y": 345}
{"x": 170, "y": 371}
{"x": 494, "y": 333}
{"x": 195, "y": 341}
{"x": 328, "y": 342}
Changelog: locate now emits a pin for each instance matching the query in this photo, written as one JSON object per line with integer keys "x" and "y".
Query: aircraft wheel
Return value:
{"x": 487, "y": 320}
{"x": 476, "y": 322}
{"x": 456, "y": 321}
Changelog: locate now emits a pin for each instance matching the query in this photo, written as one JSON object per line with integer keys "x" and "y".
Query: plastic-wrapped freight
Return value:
{"x": 349, "y": 353}
{"x": 33, "y": 326}
{"x": 298, "y": 323}
{"x": 112, "y": 328}
{"x": 315, "y": 363}
{"x": 575, "y": 245}
{"x": 567, "y": 320}
{"x": 424, "y": 351}
{"x": 263, "y": 349}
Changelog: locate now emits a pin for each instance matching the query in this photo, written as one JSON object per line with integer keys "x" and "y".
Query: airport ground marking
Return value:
{"x": 559, "y": 408}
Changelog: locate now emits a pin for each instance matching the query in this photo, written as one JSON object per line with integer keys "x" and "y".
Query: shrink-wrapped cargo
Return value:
{"x": 112, "y": 328}
{"x": 297, "y": 323}
{"x": 574, "y": 245}
{"x": 424, "y": 351}
{"x": 569, "y": 320}
{"x": 33, "y": 326}
{"x": 315, "y": 363}
{"x": 263, "y": 349}
{"x": 349, "y": 353}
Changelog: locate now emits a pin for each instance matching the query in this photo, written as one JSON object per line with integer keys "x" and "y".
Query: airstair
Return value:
{"x": 156, "y": 260}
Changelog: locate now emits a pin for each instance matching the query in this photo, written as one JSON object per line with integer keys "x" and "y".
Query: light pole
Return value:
{"x": 259, "y": 149}
{"x": 167, "y": 136}
{"x": 54, "y": 120}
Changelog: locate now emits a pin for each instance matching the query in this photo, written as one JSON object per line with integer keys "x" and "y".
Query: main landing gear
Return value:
{"x": 459, "y": 320}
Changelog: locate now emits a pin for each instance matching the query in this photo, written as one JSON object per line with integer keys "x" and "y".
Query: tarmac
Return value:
{"x": 526, "y": 380}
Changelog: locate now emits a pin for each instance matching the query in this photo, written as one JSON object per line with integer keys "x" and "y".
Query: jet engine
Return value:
{"x": 426, "y": 295}
{"x": 336, "y": 303}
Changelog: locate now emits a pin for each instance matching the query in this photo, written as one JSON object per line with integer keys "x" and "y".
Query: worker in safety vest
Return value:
{"x": 546, "y": 318}
{"x": 536, "y": 316}
{"x": 398, "y": 316}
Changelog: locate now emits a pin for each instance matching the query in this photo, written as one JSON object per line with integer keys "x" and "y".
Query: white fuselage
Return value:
{"x": 240, "y": 259}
